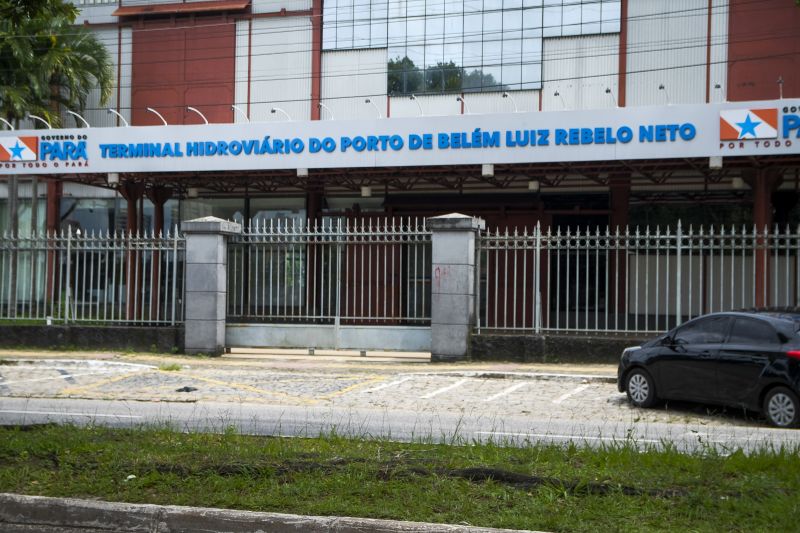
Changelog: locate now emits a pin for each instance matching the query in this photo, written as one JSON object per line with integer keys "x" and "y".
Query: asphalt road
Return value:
{"x": 402, "y": 400}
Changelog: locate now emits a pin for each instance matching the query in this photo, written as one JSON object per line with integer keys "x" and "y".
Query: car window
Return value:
{"x": 704, "y": 331}
{"x": 750, "y": 331}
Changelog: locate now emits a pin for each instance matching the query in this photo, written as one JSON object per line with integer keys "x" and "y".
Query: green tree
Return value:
{"x": 46, "y": 62}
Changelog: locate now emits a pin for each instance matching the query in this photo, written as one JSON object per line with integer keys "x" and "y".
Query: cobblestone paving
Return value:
{"x": 385, "y": 388}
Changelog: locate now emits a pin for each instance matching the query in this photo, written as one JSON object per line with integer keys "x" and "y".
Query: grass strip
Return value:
{"x": 544, "y": 487}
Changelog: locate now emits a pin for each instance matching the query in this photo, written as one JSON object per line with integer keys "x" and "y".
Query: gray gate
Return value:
{"x": 334, "y": 283}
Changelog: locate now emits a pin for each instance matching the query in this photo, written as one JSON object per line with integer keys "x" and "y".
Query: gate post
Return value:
{"x": 205, "y": 299}
{"x": 452, "y": 284}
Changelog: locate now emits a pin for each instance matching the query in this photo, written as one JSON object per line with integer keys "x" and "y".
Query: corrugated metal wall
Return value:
{"x": 96, "y": 11}
{"x": 666, "y": 45}
{"x": 482, "y": 103}
{"x": 271, "y": 6}
{"x": 349, "y": 77}
{"x": 719, "y": 51}
{"x": 580, "y": 69}
{"x": 241, "y": 69}
{"x": 432, "y": 105}
{"x": 280, "y": 71}
{"x": 126, "y": 73}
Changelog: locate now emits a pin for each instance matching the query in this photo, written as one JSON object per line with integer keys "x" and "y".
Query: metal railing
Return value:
{"x": 69, "y": 277}
{"x": 631, "y": 281}
{"x": 365, "y": 271}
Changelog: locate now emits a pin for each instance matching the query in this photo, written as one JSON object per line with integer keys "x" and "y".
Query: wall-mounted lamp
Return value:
{"x": 279, "y": 110}
{"x": 414, "y": 97}
{"x": 666, "y": 94}
{"x": 192, "y": 192}
{"x": 366, "y": 191}
{"x": 613, "y": 98}
{"x": 7, "y": 123}
{"x": 242, "y": 113}
{"x": 369, "y": 101}
{"x": 112, "y": 178}
{"x": 326, "y": 108}
{"x": 40, "y": 119}
{"x": 487, "y": 170}
{"x": 197, "y": 111}
{"x": 534, "y": 185}
{"x": 159, "y": 115}
{"x": 506, "y": 95}
{"x": 715, "y": 162}
{"x": 302, "y": 172}
{"x": 738, "y": 183}
{"x": 115, "y": 112}
{"x": 780, "y": 87}
{"x": 74, "y": 114}
{"x": 464, "y": 103}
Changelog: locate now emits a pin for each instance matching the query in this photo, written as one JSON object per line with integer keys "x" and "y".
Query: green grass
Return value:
{"x": 555, "y": 488}
{"x": 169, "y": 367}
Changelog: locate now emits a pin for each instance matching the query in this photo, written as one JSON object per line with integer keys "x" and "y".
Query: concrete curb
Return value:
{"x": 20, "y": 513}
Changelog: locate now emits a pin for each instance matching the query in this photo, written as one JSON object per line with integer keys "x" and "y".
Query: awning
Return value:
{"x": 191, "y": 7}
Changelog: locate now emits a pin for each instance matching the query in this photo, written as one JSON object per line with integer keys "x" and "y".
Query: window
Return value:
{"x": 454, "y": 45}
{"x": 709, "y": 330}
{"x": 751, "y": 331}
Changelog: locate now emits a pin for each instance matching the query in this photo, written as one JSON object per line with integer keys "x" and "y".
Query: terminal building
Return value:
{"x": 424, "y": 65}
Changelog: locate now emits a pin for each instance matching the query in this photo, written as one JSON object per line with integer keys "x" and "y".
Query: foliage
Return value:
{"x": 621, "y": 487}
{"x": 46, "y": 62}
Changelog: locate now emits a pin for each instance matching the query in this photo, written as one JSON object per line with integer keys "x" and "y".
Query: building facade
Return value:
{"x": 295, "y": 61}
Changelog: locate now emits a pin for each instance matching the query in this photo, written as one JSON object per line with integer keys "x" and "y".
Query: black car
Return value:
{"x": 748, "y": 359}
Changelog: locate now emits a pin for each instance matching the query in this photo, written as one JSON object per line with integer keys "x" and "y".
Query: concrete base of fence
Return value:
{"x": 551, "y": 348}
{"x": 161, "y": 339}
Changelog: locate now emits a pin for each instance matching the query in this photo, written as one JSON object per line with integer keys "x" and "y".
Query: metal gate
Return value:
{"x": 334, "y": 283}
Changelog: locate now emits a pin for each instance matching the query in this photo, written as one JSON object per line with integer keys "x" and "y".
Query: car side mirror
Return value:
{"x": 667, "y": 341}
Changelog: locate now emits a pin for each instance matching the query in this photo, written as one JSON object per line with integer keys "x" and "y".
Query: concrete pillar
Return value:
{"x": 206, "y": 283}
{"x": 452, "y": 284}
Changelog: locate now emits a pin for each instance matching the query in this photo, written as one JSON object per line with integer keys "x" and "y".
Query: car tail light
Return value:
{"x": 794, "y": 354}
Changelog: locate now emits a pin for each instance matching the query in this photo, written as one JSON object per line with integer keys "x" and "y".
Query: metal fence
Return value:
{"x": 69, "y": 277}
{"x": 640, "y": 281}
{"x": 365, "y": 271}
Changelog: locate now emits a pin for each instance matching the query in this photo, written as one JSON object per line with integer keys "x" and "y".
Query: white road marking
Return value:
{"x": 95, "y": 415}
{"x": 568, "y": 437}
{"x": 573, "y": 392}
{"x": 390, "y": 384}
{"x": 444, "y": 389}
{"x": 505, "y": 392}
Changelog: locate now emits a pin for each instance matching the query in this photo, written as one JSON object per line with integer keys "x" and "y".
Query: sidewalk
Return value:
{"x": 297, "y": 359}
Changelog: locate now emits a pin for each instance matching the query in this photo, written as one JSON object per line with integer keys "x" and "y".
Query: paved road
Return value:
{"x": 403, "y": 399}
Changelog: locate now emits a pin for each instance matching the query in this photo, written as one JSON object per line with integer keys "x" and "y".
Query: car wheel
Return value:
{"x": 640, "y": 388}
{"x": 782, "y": 408}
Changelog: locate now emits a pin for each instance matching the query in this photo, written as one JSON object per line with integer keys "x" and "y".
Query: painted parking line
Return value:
{"x": 444, "y": 389}
{"x": 389, "y": 384}
{"x": 53, "y": 413}
{"x": 573, "y": 392}
{"x": 506, "y": 392}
